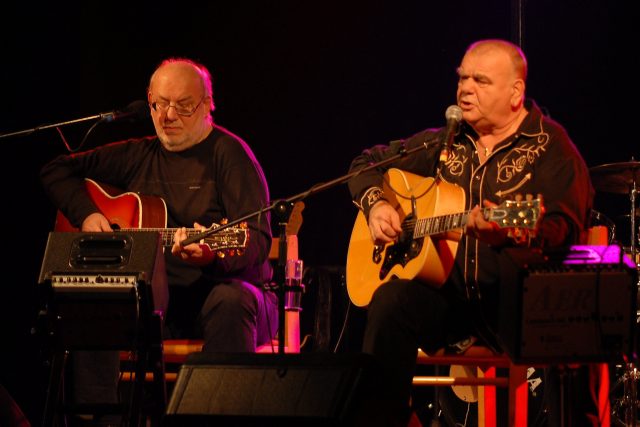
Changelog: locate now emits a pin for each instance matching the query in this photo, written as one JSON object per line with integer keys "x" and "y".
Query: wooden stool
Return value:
{"x": 485, "y": 378}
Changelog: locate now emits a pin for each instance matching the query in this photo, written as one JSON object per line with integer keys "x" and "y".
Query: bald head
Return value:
{"x": 515, "y": 54}
{"x": 186, "y": 71}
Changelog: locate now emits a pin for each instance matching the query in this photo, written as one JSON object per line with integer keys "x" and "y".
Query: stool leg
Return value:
{"x": 601, "y": 372}
{"x": 518, "y": 395}
{"x": 487, "y": 400}
{"x": 436, "y": 398}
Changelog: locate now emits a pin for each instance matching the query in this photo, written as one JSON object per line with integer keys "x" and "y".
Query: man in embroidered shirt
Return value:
{"x": 505, "y": 146}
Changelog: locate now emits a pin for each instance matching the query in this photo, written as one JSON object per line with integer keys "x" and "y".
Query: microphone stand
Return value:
{"x": 282, "y": 208}
{"x": 55, "y": 125}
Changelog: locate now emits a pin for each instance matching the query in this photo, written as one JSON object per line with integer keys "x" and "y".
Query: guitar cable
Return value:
{"x": 344, "y": 327}
{"x": 397, "y": 193}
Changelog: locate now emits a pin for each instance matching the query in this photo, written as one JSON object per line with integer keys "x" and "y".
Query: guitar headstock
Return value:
{"x": 230, "y": 241}
{"x": 518, "y": 214}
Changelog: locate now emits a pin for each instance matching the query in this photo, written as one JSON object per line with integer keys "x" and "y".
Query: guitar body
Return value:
{"x": 123, "y": 210}
{"x": 428, "y": 259}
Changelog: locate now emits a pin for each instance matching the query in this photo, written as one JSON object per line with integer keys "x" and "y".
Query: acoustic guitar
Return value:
{"x": 128, "y": 211}
{"x": 433, "y": 220}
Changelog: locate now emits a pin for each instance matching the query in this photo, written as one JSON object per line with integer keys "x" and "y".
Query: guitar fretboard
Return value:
{"x": 513, "y": 215}
{"x": 166, "y": 234}
{"x": 439, "y": 224}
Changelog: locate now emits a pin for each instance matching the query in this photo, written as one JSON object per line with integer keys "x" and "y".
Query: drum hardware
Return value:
{"x": 626, "y": 218}
{"x": 624, "y": 391}
{"x": 623, "y": 178}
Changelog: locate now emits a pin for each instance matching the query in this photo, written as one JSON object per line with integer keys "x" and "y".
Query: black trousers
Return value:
{"x": 405, "y": 315}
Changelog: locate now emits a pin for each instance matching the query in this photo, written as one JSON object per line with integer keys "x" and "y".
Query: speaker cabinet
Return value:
{"x": 571, "y": 305}
{"x": 310, "y": 389}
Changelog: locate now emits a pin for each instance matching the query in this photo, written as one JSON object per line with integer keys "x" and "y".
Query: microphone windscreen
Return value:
{"x": 136, "y": 110}
{"x": 453, "y": 113}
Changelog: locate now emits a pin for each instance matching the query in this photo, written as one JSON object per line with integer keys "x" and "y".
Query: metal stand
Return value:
{"x": 630, "y": 376}
{"x": 634, "y": 235}
{"x": 282, "y": 211}
{"x": 54, "y": 411}
{"x": 630, "y": 396}
{"x": 101, "y": 292}
{"x": 58, "y": 362}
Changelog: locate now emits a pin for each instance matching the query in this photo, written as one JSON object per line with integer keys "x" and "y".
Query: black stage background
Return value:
{"x": 307, "y": 85}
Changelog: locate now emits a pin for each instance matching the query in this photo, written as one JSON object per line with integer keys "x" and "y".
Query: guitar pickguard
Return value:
{"x": 400, "y": 253}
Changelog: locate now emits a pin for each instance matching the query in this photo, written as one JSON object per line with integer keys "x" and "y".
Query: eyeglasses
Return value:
{"x": 181, "y": 110}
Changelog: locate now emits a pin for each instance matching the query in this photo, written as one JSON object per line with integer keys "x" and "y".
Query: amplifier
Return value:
{"x": 576, "y": 304}
{"x": 101, "y": 289}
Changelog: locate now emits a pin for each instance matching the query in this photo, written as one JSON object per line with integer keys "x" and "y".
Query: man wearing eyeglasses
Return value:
{"x": 204, "y": 174}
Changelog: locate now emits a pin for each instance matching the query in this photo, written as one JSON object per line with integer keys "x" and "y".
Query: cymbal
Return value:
{"x": 616, "y": 177}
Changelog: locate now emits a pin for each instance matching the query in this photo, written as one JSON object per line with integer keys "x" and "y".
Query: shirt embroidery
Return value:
{"x": 456, "y": 161}
{"x": 515, "y": 162}
{"x": 372, "y": 195}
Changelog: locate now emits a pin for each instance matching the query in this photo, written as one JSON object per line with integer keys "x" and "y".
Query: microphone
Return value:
{"x": 137, "y": 110}
{"x": 453, "y": 116}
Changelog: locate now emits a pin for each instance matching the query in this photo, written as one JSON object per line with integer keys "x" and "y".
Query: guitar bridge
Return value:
{"x": 376, "y": 256}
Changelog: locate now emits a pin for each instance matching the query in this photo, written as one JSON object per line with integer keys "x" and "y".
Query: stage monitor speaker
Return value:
{"x": 567, "y": 305}
{"x": 101, "y": 289}
{"x": 307, "y": 389}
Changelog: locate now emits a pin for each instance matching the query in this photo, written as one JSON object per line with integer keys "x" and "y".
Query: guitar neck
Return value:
{"x": 440, "y": 224}
{"x": 166, "y": 234}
